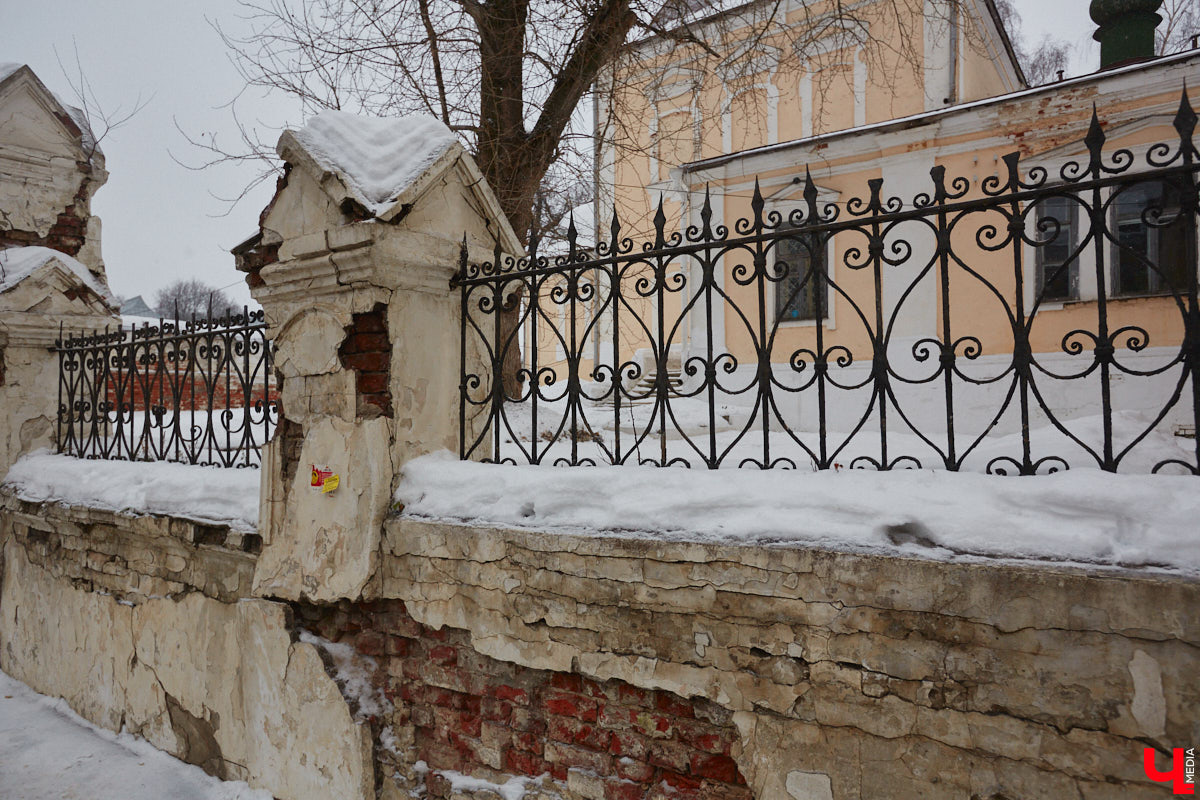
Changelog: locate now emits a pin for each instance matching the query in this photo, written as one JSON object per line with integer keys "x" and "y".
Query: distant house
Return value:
{"x": 136, "y": 307}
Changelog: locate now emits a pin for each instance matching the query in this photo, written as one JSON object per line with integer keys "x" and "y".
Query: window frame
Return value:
{"x": 1157, "y": 283}
{"x": 773, "y": 300}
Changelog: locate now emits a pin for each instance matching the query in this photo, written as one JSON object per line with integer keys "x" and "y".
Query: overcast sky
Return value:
{"x": 162, "y": 222}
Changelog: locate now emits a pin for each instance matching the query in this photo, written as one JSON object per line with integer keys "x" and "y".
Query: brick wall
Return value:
{"x": 459, "y": 710}
{"x": 69, "y": 232}
{"x": 165, "y": 387}
{"x": 367, "y": 350}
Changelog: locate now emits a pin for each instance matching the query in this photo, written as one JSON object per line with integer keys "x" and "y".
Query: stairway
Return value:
{"x": 644, "y": 386}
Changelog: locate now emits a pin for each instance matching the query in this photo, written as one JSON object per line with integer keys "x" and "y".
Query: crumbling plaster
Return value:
{"x": 331, "y": 267}
{"x": 212, "y": 678}
{"x": 872, "y": 676}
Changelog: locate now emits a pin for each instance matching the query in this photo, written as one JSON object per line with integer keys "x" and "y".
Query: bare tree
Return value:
{"x": 96, "y": 122}
{"x": 1179, "y": 28}
{"x": 510, "y": 75}
{"x": 1045, "y": 60}
{"x": 187, "y": 298}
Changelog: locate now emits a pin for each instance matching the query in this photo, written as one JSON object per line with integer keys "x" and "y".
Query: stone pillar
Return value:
{"x": 45, "y": 290}
{"x": 356, "y": 292}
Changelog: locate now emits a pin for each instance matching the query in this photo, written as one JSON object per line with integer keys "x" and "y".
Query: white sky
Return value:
{"x": 162, "y": 222}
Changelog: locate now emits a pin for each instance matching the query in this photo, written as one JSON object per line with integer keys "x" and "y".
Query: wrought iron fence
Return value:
{"x": 197, "y": 392}
{"x": 1043, "y": 319}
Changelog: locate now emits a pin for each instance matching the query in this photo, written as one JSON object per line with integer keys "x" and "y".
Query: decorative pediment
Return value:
{"x": 382, "y": 169}
{"x": 34, "y": 120}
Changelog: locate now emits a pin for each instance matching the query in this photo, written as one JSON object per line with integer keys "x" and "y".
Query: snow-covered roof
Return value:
{"x": 136, "y": 306}
{"x": 77, "y": 115}
{"x": 18, "y": 263}
{"x": 378, "y": 159}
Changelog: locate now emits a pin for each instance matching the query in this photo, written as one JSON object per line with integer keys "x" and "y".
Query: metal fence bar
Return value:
{"x": 195, "y": 392}
{"x": 1038, "y": 285}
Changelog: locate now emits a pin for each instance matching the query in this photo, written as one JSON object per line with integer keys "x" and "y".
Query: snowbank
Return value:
{"x": 378, "y": 158}
{"x": 47, "y": 751}
{"x": 1080, "y": 516}
{"x": 17, "y": 263}
{"x": 212, "y": 495}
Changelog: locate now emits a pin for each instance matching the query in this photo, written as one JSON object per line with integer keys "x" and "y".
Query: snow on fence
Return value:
{"x": 1057, "y": 308}
{"x": 196, "y": 392}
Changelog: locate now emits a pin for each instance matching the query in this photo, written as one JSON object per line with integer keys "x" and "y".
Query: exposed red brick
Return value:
{"x": 640, "y": 744}
{"x": 511, "y": 693}
{"x": 632, "y": 695}
{"x": 717, "y": 767}
{"x": 671, "y": 755}
{"x": 628, "y": 743}
{"x": 570, "y": 705}
{"x": 372, "y": 383}
{"x": 443, "y": 655}
{"x": 623, "y": 790}
{"x": 567, "y": 756}
{"x": 637, "y": 771}
{"x": 367, "y": 350}
{"x": 371, "y": 643}
{"x": 685, "y": 785}
{"x": 574, "y": 732}
{"x": 673, "y": 704}
{"x": 523, "y": 763}
{"x": 495, "y": 710}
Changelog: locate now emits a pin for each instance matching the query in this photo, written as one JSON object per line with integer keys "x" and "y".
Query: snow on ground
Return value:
{"x": 17, "y": 263}
{"x": 379, "y": 158}
{"x": 739, "y": 437}
{"x": 47, "y": 752}
{"x": 1079, "y": 516}
{"x": 212, "y": 495}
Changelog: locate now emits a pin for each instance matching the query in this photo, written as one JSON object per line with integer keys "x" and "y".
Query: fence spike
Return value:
{"x": 810, "y": 196}
{"x": 1095, "y": 142}
{"x": 938, "y": 175}
{"x": 756, "y": 205}
{"x": 706, "y": 214}
{"x": 876, "y": 202}
{"x": 615, "y": 228}
{"x": 1185, "y": 118}
{"x": 1013, "y": 162}
{"x": 660, "y": 224}
{"x": 572, "y": 234}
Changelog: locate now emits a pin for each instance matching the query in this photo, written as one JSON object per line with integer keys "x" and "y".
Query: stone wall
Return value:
{"x": 605, "y": 668}
{"x": 144, "y": 623}
{"x": 457, "y": 709}
{"x": 845, "y": 676}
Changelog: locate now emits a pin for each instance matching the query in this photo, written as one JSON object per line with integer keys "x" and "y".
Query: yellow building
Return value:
{"x": 922, "y": 249}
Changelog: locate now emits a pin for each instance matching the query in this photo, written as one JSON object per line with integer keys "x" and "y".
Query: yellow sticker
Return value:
{"x": 330, "y": 484}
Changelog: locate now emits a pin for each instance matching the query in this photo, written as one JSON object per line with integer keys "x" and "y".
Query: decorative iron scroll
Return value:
{"x": 1042, "y": 318}
{"x": 196, "y": 392}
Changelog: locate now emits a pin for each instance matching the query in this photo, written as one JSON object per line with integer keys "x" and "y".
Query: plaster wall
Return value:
{"x": 145, "y": 623}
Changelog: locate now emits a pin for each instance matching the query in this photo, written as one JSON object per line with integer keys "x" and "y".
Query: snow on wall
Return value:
{"x": 1079, "y": 516}
{"x": 377, "y": 158}
{"x": 211, "y": 495}
{"x": 18, "y": 263}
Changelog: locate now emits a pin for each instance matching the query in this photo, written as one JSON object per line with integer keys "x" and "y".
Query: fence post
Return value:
{"x": 358, "y": 300}
{"x": 46, "y": 294}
